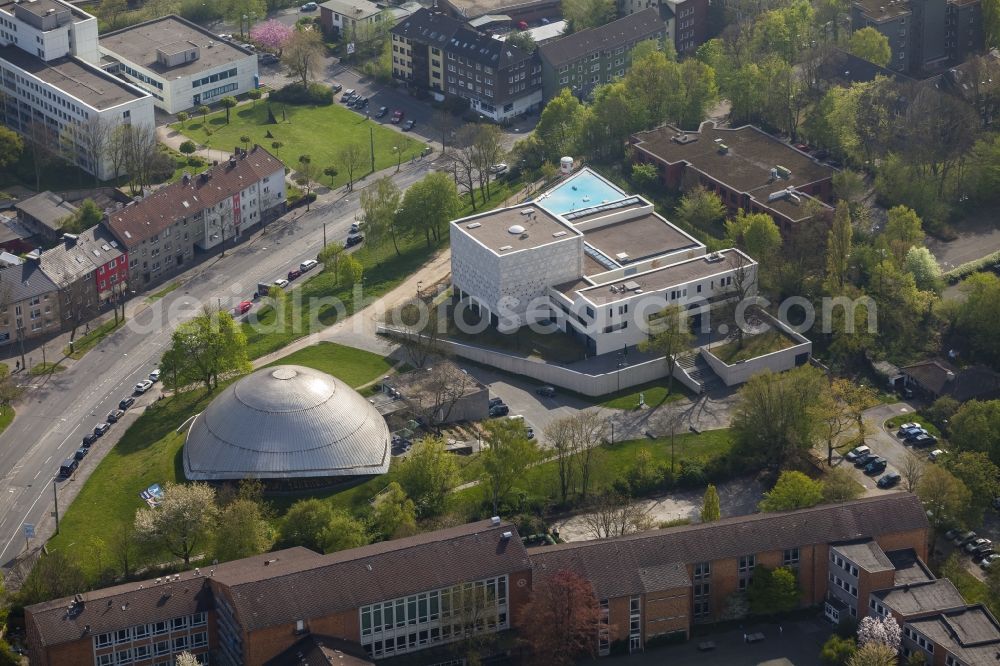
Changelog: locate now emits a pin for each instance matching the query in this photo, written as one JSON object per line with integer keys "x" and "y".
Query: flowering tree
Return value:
{"x": 271, "y": 35}
{"x": 565, "y": 619}
{"x": 880, "y": 630}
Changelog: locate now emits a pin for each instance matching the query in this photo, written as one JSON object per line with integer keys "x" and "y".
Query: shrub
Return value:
{"x": 188, "y": 147}
{"x": 692, "y": 475}
{"x": 295, "y": 93}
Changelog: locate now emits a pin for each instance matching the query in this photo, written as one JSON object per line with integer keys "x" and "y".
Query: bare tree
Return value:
{"x": 124, "y": 548}
{"x": 441, "y": 387}
{"x": 466, "y": 161}
{"x": 79, "y": 303}
{"x": 561, "y": 437}
{"x": 445, "y": 125}
{"x": 92, "y": 138}
{"x": 420, "y": 337}
{"x": 487, "y": 150}
{"x": 303, "y": 55}
{"x": 44, "y": 144}
{"x": 351, "y": 158}
{"x": 912, "y": 470}
{"x": 614, "y": 516}
{"x": 744, "y": 274}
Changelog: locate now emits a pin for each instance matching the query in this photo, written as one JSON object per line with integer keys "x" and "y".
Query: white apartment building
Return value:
{"x": 600, "y": 272}
{"x": 51, "y": 84}
{"x": 180, "y": 64}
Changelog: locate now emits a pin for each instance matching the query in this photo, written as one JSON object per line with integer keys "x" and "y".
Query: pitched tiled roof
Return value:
{"x": 27, "y": 280}
{"x": 622, "y": 32}
{"x": 942, "y": 378}
{"x": 612, "y": 565}
{"x": 48, "y": 208}
{"x": 64, "y": 620}
{"x": 444, "y": 32}
{"x": 387, "y": 570}
{"x": 315, "y": 650}
{"x": 168, "y": 204}
{"x": 73, "y": 258}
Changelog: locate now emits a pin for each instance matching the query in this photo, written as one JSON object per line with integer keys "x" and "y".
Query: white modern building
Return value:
{"x": 592, "y": 259}
{"x": 52, "y": 86}
{"x": 179, "y": 63}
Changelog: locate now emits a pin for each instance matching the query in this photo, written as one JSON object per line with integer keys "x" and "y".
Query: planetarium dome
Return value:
{"x": 287, "y": 422}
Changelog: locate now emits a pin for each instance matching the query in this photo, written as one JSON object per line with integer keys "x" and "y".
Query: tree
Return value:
{"x": 670, "y": 335}
{"x": 427, "y": 475}
{"x": 858, "y": 399}
{"x": 773, "y": 591}
{"x": 980, "y": 475}
{"x": 343, "y": 532}
{"x": 991, "y": 23}
{"x": 583, "y": 14}
{"x": 615, "y": 515}
{"x": 441, "y": 387}
{"x": 880, "y": 631}
{"x": 701, "y": 208}
{"x": 53, "y": 575}
{"x": 613, "y": 115}
{"x": 912, "y": 469}
{"x": 90, "y": 138}
{"x": 871, "y": 45}
{"x": 186, "y": 659}
{"x": 305, "y": 524}
{"x": 756, "y": 234}
{"x": 873, "y": 654}
{"x": 839, "y": 486}
{"x": 245, "y": 139}
{"x": 560, "y": 124}
{"x": 204, "y": 110}
{"x": 924, "y": 268}
{"x": 182, "y": 117}
{"x": 380, "y": 201}
{"x": 4, "y": 602}
{"x": 303, "y": 55}
{"x": 837, "y": 651}
{"x": 395, "y": 514}
{"x": 202, "y": 349}
{"x": 111, "y": 11}
{"x": 945, "y": 498}
{"x": 838, "y": 248}
{"x": 794, "y": 490}
{"x": 710, "y": 510}
{"x": 241, "y": 10}
{"x": 508, "y": 455}
{"x": 331, "y": 172}
{"x": 350, "y": 271}
{"x": 774, "y": 419}
{"x": 351, "y": 158}
{"x": 834, "y": 416}
{"x": 903, "y": 230}
{"x": 188, "y": 147}
{"x": 976, "y": 427}
{"x": 271, "y": 35}
{"x": 7, "y": 655}
{"x": 487, "y": 150}
{"x": 523, "y": 40}
{"x": 565, "y": 619}
{"x": 428, "y": 205}
{"x": 307, "y": 174}
{"x": 330, "y": 257}
{"x": 976, "y": 318}
{"x": 916, "y": 658}
{"x": 228, "y": 102}
{"x": 182, "y": 521}
{"x": 645, "y": 176}
{"x": 242, "y": 531}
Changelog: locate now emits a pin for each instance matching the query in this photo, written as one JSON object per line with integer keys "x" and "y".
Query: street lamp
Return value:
{"x": 399, "y": 157}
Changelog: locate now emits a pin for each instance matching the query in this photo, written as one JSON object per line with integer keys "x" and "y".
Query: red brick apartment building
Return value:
{"x": 748, "y": 168}
{"x": 413, "y": 594}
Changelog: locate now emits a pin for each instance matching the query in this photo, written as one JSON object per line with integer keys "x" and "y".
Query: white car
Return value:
{"x": 308, "y": 265}
{"x": 143, "y": 386}
{"x": 498, "y": 168}
{"x": 935, "y": 454}
{"x": 281, "y": 282}
{"x": 154, "y": 376}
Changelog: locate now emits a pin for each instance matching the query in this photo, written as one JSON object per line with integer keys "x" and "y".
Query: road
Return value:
{"x": 53, "y": 418}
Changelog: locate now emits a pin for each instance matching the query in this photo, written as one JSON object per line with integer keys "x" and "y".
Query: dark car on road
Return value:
{"x": 408, "y": 125}
{"x": 336, "y": 88}
{"x": 863, "y": 461}
{"x": 126, "y": 402}
{"x": 101, "y": 428}
{"x": 68, "y": 467}
{"x": 496, "y": 401}
{"x": 116, "y": 415}
{"x": 913, "y": 434}
{"x": 382, "y": 110}
{"x": 922, "y": 440}
{"x": 292, "y": 274}
{"x": 876, "y": 466}
{"x": 267, "y": 58}
{"x": 963, "y": 537}
{"x": 888, "y": 481}
{"x": 499, "y": 410}
{"x": 975, "y": 544}
{"x": 89, "y": 439}
{"x": 354, "y": 239}
{"x": 546, "y": 391}
{"x": 81, "y": 453}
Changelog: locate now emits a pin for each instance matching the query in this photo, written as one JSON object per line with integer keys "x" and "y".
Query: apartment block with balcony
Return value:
{"x": 29, "y": 303}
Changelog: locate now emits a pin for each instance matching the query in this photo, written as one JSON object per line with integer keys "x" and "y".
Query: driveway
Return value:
{"x": 978, "y": 236}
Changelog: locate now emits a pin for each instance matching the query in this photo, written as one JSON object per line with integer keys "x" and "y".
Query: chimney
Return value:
{"x": 70, "y": 239}
{"x": 187, "y": 178}
{"x": 495, "y": 521}
{"x": 232, "y": 161}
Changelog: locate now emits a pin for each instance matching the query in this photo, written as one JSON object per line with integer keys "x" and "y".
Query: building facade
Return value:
{"x": 351, "y": 19}
{"x": 162, "y": 232}
{"x": 596, "y": 56}
{"x": 417, "y": 594}
{"x": 180, "y": 64}
{"x": 435, "y": 52}
{"x": 687, "y": 20}
{"x": 54, "y": 92}
{"x": 29, "y": 303}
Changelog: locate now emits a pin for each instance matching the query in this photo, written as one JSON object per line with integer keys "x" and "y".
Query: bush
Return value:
{"x": 455, "y": 105}
{"x": 692, "y": 475}
{"x": 188, "y": 147}
{"x": 295, "y": 93}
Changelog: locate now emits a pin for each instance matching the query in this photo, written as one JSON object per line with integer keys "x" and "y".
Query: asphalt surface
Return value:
{"x": 55, "y": 415}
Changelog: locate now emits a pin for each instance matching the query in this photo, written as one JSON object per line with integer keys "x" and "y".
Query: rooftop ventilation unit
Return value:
{"x": 559, "y": 234}
{"x": 528, "y": 211}
{"x": 495, "y": 521}
{"x": 506, "y": 247}
{"x": 473, "y": 225}
{"x": 723, "y": 149}
{"x": 622, "y": 256}
{"x": 515, "y": 230}
{"x": 631, "y": 286}
{"x": 713, "y": 257}
{"x": 784, "y": 172}
{"x": 507, "y": 536}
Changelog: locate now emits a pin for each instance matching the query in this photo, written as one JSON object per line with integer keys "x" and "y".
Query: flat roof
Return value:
{"x": 539, "y": 227}
{"x": 471, "y": 9}
{"x": 40, "y": 7}
{"x": 77, "y": 79}
{"x": 866, "y": 554}
{"x": 909, "y": 568}
{"x": 138, "y": 44}
{"x": 662, "y": 278}
{"x": 640, "y": 237}
{"x": 745, "y": 166}
{"x": 882, "y": 10}
{"x": 932, "y": 597}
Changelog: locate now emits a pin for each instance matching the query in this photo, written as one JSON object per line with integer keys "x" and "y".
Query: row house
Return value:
{"x": 89, "y": 269}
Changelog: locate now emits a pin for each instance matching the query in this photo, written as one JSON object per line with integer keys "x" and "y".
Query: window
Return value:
{"x": 180, "y": 643}
{"x": 178, "y": 623}
{"x": 159, "y": 628}
{"x": 162, "y": 647}
{"x": 198, "y": 619}
{"x": 199, "y": 640}
{"x": 140, "y": 631}
{"x": 102, "y": 640}
{"x": 123, "y": 636}
{"x": 790, "y": 557}
{"x": 106, "y": 660}
{"x": 123, "y": 657}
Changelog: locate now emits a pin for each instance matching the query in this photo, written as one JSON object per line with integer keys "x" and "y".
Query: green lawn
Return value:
{"x": 152, "y": 298}
{"x": 84, "y": 344}
{"x": 150, "y": 452}
{"x": 655, "y": 394}
{"x": 6, "y": 416}
{"x": 916, "y": 417}
{"x": 318, "y": 131}
{"x": 46, "y": 368}
{"x": 753, "y": 346}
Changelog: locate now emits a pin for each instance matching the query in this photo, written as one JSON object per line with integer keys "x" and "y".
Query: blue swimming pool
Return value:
{"x": 581, "y": 190}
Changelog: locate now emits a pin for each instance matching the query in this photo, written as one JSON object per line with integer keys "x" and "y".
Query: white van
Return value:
{"x": 308, "y": 265}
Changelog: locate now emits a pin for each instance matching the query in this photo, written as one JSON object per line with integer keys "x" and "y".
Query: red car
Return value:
{"x": 244, "y": 307}
{"x": 292, "y": 274}
{"x": 397, "y": 117}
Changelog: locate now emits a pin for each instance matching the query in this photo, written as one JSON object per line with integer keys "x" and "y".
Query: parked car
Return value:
{"x": 496, "y": 401}
{"x": 68, "y": 467}
{"x": 499, "y": 410}
{"x": 889, "y": 480}
{"x": 952, "y": 533}
{"x": 154, "y": 376}
{"x": 89, "y": 439}
{"x": 81, "y": 453}
{"x": 101, "y": 428}
{"x": 348, "y": 96}
{"x": 935, "y": 454}
{"x": 408, "y": 125}
{"x": 923, "y": 440}
{"x": 908, "y": 426}
{"x": 281, "y": 282}
{"x": 974, "y": 544}
{"x": 876, "y": 466}
{"x": 142, "y": 387}
{"x": 292, "y": 274}
{"x": 356, "y": 227}
{"x": 397, "y": 117}
{"x": 267, "y": 59}
{"x": 529, "y": 432}
{"x": 981, "y": 553}
{"x": 115, "y": 416}
{"x": 546, "y": 391}
{"x": 244, "y": 307}
{"x": 913, "y": 435}
{"x": 863, "y": 461}
{"x": 126, "y": 402}
{"x": 382, "y": 110}
{"x": 856, "y": 453}
{"x": 360, "y": 102}
{"x": 989, "y": 560}
{"x": 308, "y": 7}
{"x": 498, "y": 168}
{"x": 308, "y": 265}
{"x": 354, "y": 239}
{"x": 336, "y": 87}
{"x": 963, "y": 537}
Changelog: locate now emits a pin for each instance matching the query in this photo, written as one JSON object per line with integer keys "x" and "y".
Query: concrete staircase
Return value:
{"x": 694, "y": 367}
